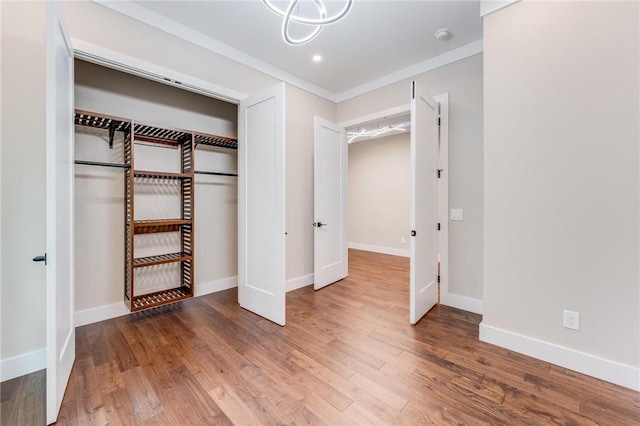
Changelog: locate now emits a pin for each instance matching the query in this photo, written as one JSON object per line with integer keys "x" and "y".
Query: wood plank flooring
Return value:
{"x": 346, "y": 356}
{"x": 23, "y": 400}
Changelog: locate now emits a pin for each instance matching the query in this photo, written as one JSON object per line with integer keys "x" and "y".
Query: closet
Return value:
{"x": 155, "y": 173}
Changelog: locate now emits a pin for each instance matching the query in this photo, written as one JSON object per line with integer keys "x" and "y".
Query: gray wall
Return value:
{"x": 379, "y": 194}
{"x": 562, "y": 176}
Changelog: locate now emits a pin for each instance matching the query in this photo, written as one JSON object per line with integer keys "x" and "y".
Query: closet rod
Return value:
{"x": 214, "y": 173}
{"x": 98, "y": 163}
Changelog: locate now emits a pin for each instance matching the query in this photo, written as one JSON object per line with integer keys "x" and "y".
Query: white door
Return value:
{"x": 330, "y": 254}
{"x": 61, "y": 348}
{"x": 424, "y": 146}
{"x": 261, "y": 204}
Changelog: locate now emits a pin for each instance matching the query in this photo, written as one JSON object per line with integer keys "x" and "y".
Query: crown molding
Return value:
{"x": 490, "y": 6}
{"x": 153, "y": 19}
{"x": 430, "y": 64}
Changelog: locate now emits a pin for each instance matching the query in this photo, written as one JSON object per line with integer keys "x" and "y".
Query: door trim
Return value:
{"x": 378, "y": 115}
{"x": 443, "y": 198}
{"x": 118, "y": 61}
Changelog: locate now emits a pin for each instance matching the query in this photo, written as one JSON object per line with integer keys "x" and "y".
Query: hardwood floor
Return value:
{"x": 23, "y": 400}
{"x": 346, "y": 356}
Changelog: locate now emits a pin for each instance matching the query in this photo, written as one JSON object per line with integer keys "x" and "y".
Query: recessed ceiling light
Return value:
{"x": 317, "y": 58}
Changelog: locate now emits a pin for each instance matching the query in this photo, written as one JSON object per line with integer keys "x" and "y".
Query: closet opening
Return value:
{"x": 190, "y": 178}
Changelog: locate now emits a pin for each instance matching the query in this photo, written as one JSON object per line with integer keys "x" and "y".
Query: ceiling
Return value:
{"x": 373, "y": 43}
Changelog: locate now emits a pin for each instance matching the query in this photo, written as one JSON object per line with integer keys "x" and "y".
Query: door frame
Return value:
{"x": 443, "y": 161}
{"x": 118, "y": 61}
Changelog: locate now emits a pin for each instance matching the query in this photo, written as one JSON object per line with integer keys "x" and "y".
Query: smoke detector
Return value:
{"x": 442, "y": 34}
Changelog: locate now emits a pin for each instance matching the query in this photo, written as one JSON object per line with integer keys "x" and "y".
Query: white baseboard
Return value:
{"x": 611, "y": 371}
{"x": 20, "y": 365}
{"x": 105, "y": 312}
{"x": 100, "y": 313}
{"x": 296, "y": 283}
{"x": 461, "y": 302}
{"x": 217, "y": 285}
{"x": 379, "y": 249}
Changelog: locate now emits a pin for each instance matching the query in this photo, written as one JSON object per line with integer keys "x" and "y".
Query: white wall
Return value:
{"x": 301, "y": 107}
{"x": 23, "y": 175}
{"x": 463, "y": 81}
{"x": 562, "y": 108}
{"x": 99, "y": 203}
{"x": 379, "y": 194}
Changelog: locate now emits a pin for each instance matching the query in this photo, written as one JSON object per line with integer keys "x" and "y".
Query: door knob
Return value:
{"x": 41, "y": 259}
{"x": 319, "y": 224}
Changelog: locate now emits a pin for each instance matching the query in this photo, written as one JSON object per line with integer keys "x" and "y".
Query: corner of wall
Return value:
{"x": 461, "y": 302}
{"x": 600, "y": 368}
{"x": 489, "y": 6}
{"x": 296, "y": 283}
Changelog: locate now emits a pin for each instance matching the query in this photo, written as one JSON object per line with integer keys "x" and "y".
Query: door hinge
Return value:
{"x": 438, "y": 121}
{"x": 438, "y": 226}
{"x": 413, "y": 233}
{"x": 439, "y": 173}
{"x": 413, "y": 90}
{"x": 438, "y": 279}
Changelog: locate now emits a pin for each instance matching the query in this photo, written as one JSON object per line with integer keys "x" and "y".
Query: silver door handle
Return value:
{"x": 319, "y": 224}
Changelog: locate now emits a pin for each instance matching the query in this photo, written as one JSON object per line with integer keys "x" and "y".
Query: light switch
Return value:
{"x": 456, "y": 214}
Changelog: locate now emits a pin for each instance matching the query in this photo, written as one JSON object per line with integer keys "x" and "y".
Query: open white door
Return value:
{"x": 61, "y": 337}
{"x": 330, "y": 254}
{"x": 261, "y": 204}
{"x": 424, "y": 148}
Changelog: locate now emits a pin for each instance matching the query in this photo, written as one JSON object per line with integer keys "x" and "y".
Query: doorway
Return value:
{"x": 379, "y": 185}
{"x": 394, "y": 239}
{"x": 99, "y": 195}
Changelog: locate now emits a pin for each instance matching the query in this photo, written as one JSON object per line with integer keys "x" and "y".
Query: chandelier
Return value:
{"x": 292, "y": 15}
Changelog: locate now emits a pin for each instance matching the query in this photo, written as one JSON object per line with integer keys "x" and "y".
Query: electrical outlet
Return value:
{"x": 571, "y": 320}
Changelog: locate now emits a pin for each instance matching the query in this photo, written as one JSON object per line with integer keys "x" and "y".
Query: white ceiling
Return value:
{"x": 376, "y": 39}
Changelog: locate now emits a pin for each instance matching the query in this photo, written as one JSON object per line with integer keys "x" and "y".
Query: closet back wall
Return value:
{"x": 99, "y": 192}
